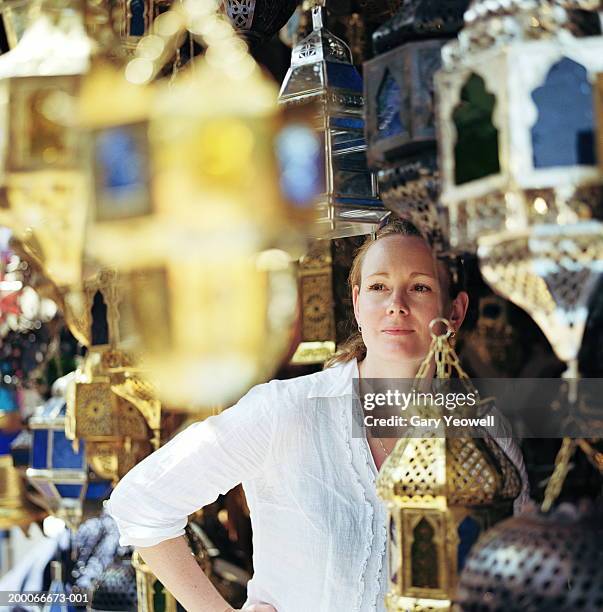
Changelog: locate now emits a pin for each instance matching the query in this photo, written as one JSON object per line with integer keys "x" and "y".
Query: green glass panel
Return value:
{"x": 476, "y": 149}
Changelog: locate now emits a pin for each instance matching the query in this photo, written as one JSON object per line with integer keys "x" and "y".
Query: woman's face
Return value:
{"x": 400, "y": 293}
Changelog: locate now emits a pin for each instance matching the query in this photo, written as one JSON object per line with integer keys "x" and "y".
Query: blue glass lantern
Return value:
{"x": 400, "y": 109}
{"x": 58, "y": 472}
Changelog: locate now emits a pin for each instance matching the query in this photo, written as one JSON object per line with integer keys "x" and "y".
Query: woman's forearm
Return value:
{"x": 175, "y": 566}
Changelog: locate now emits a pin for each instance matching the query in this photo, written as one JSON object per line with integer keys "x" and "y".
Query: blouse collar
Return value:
{"x": 336, "y": 381}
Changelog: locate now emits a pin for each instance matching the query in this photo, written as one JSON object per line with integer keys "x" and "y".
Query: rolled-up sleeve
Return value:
{"x": 153, "y": 500}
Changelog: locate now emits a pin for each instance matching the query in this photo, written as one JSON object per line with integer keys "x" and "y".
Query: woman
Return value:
{"x": 319, "y": 533}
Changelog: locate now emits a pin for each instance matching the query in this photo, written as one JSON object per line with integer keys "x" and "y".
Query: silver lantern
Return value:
{"x": 322, "y": 74}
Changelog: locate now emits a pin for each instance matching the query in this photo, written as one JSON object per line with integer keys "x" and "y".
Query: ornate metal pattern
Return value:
{"x": 115, "y": 589}
{"x": 258, "y": 20}
{"x": 400, "y": 111}
{"x": 318, "y": 318}
{"x": 527, "y": 563}
{"x": 551, "y": 273}
{"x": 240, "y": 12}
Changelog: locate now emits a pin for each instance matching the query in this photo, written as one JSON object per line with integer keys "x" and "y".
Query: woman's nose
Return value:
{"x": 398, "y": 303}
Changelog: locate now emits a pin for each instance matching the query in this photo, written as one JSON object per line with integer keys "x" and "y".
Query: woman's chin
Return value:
{"x": 408, "y": 351}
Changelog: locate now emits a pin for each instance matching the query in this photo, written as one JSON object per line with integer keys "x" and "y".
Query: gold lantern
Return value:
{"x": 41, "y": 162}
{"x": 441, "y": 493}
{"x": 317, "y": 322}
{"x": 14, "y": 19}
{"x": 109, "y": 405}
{"x": 206, "y": 250}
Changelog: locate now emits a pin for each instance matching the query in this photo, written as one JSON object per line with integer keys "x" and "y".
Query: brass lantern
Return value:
{"x": 317, "y": 321}
{"x": 15, "y": 509}
{"x": 109, "y": 405}
{"x": 400, "y": 109}
{"x": 440, "y": 494}
{"x": 211, "y": 293}
{"x": 322, "y": 74}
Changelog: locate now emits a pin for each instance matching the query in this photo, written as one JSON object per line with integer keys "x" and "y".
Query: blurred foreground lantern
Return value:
{"x": 60, "y": 475}
{"x": 400, "y": 109}
{"x": 517, "y": 147}
{"x": 14, "y": 19}
{"x": 317, "y": 321}
{"x": 15, "y": 509}
{"x": 41, "y": 151}
{"x": 115, "y": 589}
{"x": 205, "y": 244}
{"x": 322, "y": 75}
{"x": 536, "y": 562}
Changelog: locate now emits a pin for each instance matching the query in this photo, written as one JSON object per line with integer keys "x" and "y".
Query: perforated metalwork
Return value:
{"x": 535, "y": 562}
{"x": 551, "y": 272}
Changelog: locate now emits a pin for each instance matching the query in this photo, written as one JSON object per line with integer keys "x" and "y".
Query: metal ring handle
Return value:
{"x": 446, "y": 322}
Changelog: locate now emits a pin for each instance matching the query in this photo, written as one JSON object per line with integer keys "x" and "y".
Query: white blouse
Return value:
{"x": 319, "y": 529}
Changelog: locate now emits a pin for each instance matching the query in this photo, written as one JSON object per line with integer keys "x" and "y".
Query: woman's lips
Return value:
{"x": 398, "y": 332}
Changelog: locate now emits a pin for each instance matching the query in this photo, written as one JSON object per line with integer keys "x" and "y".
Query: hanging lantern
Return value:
{"x": 317, "y": 321}
{"x": 60, "y": 475}
{"x": 109, "y": 405}
{"x": 400, "y": 110}
{"x": 212, "y": 239}
{"x": 515, "y": 113}
{"x": 536, "y": 562}
{"x": 517, "y": 149}
{"x": 135, "y": 19}
{"x": 322, "y": 74}
{"x": 258, "y": 20}
{"x": 441, "y": 493}
{"x": 41, "y": 152}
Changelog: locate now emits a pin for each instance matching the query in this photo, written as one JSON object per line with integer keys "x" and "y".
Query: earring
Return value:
{"x": 359, "y": 328}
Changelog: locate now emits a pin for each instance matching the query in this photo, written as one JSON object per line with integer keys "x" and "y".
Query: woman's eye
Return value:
{"x": 377, "y": 287}
{"x": 422, "y": 288}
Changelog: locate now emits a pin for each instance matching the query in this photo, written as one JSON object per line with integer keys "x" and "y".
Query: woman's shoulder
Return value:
{"x": 331, "y": 382}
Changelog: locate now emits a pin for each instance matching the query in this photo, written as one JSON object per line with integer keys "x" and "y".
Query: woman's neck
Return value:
{"x": 374, "y": 368}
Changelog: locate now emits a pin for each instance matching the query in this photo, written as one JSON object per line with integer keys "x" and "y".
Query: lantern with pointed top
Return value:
{"x": 322, "y": 73}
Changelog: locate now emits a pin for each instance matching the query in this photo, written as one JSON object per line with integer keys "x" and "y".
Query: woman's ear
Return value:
{"x": 355, "y": 293}
{"x": 458, "y": 309}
